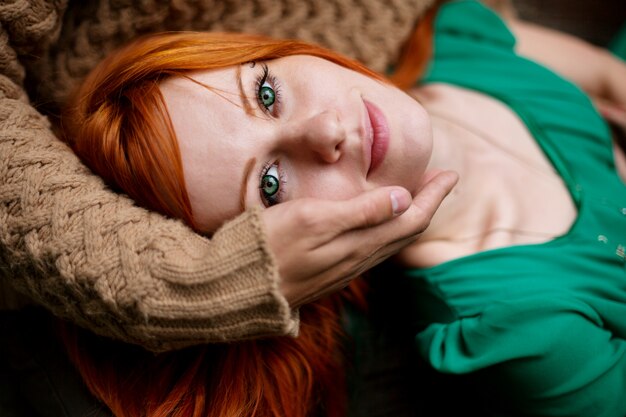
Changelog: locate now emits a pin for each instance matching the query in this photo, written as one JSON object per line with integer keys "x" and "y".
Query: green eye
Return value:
{"x": 269, "y": 185}
{"x": 267, "y": 96}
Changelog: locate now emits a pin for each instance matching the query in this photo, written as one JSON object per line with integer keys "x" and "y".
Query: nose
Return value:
{"x": 322, "y": 133}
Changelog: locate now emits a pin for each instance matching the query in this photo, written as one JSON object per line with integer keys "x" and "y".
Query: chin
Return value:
{"x": 400, "y": 175}
{"x": 413, "y": 166}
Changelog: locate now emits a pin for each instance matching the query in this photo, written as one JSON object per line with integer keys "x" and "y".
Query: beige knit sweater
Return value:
{"x": 91, "y": 255}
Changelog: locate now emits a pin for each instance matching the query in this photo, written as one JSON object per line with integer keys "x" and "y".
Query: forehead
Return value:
{"x": 213, "y": 131}
{"x": 202, "y": 99}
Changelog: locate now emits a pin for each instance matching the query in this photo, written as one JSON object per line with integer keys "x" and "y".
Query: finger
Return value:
{"x": 430, "y": 197}
{"x": 361, "y": 233}
{"x": 371, "y": 208}
{"x": 393, "y": 235}
{"x": 369, "y": 246}
{"x": 613, "y": 112}
{"x": 416, "y": 219}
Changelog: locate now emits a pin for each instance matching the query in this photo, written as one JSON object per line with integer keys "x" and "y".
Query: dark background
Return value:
{"x": 594, "y": 20}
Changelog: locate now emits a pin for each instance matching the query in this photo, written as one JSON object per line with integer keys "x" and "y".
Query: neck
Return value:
{"x": 496, "y": 158}
{"x": 449, "y": 154}
{"x": 456, "y": 148}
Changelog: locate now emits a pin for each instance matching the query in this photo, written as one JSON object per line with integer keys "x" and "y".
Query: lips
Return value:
{"x": 377, "y": 129}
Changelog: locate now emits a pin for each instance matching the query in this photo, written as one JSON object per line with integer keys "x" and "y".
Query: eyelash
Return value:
{"x": 266, "y": 75}
{"x": 277, "y": 198}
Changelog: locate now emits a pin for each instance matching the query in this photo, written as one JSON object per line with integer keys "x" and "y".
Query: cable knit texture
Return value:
{"x": 91, "y": 255}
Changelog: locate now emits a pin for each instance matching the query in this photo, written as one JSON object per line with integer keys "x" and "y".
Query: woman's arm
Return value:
{"x": 594, "y": 69}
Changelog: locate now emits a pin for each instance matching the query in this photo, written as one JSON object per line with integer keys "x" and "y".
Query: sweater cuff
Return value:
{"x": 223, "y": 289}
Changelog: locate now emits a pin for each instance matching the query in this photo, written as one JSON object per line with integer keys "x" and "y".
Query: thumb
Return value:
{"x": 372, "y": 208}
{"x": 437, "y": 185}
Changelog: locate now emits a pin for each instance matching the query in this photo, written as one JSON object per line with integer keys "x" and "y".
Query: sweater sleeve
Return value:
{"x": 92, "y": 256}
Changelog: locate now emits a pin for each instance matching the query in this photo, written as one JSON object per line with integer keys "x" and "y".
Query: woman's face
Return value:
{"x": 293, "y": 127}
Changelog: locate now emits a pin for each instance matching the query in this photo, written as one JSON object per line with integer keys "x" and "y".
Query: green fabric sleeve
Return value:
{"x": 526, "y": 350}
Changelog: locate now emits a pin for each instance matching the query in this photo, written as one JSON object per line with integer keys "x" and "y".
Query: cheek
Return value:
{"x": 413, "y": 143}
{"x": 330, "y": 186}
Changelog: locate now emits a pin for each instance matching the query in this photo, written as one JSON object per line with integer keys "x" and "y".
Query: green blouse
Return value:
{"x": 543, "y": 324}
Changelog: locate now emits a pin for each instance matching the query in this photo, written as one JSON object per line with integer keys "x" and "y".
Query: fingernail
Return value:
{"x": 400, "y": 201}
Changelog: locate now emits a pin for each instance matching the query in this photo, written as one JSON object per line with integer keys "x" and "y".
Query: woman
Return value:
{"x": 81, "y": 260}
{"x": 230, "y": 122}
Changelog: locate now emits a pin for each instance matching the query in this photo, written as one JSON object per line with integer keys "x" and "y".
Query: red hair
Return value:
{"x": 416, "y": 51}
{"x": 117, "y": 122}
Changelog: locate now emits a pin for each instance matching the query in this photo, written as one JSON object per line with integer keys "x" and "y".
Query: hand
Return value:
{"x": 321, "y": 245}
{"x": 614, "y": 113}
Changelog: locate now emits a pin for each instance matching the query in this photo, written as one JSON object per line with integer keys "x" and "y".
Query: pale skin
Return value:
{"x": 313, "y": 140}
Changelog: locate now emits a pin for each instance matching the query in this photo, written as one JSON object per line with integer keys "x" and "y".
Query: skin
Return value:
{"x": 317, "y": 137}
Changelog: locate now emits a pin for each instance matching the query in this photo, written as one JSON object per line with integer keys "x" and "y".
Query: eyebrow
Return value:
{"x": 245, "y": 103}
{"x": 244, "y": 99}
{"x": 244, "y": 183}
